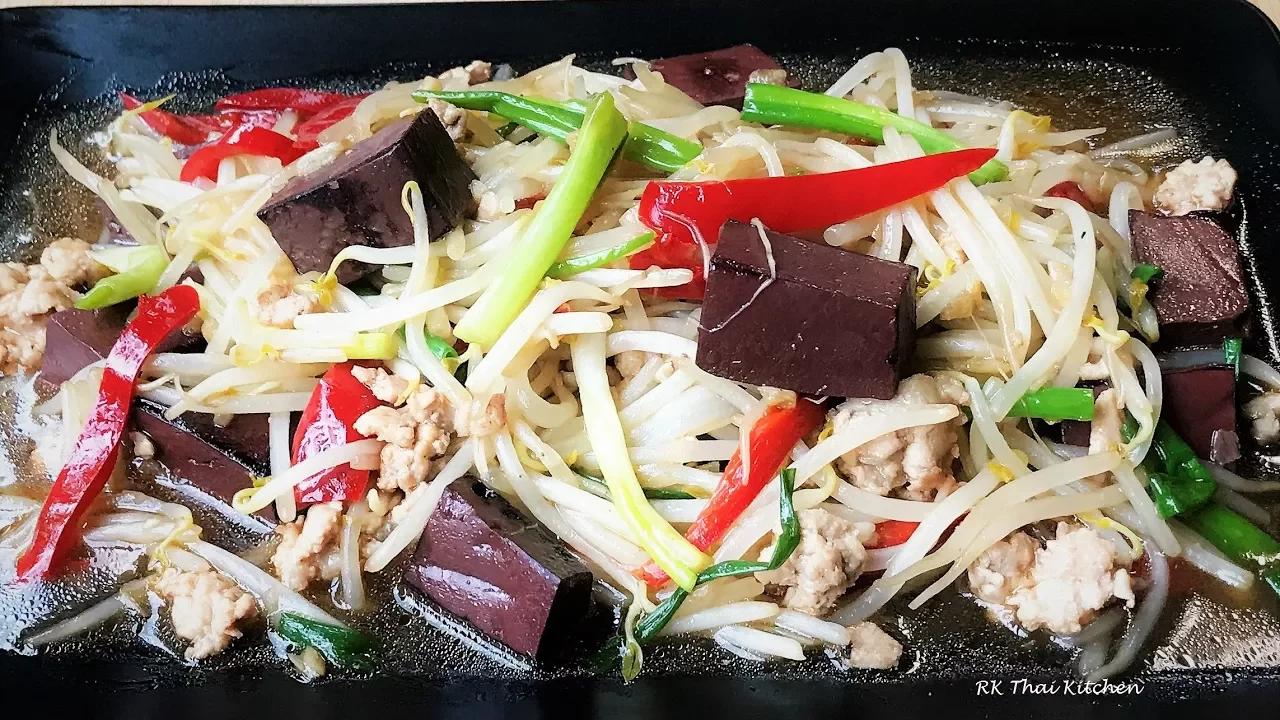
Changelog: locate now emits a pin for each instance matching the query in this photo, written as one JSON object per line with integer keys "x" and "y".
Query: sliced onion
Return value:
{"x": 736, "y": 613}
{"x": 810, "y": 626}
{"x": 759, "y": 642}
{"x": 82, "y": 622}
{"x": 1197, "y": 551}
{"x": 1260, "y": 371}
{"x": 1243, "y": 505}
{"x": 1239, "y": 484}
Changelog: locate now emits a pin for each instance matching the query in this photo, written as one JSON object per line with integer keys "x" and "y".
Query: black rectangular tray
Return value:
{"x": 1211, "y": 67}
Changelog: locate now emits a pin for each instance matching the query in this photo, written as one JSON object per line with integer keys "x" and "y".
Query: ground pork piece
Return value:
{"x": 828, "y": 560}
{"x": 1003, "y": 568}
{"x": 1105, "y": 429}
{"x": 768, "y": 76}
{"x": 914, "y": 463}
{"x": 68, "y": 262}
{"x": 12, "y": 277}
{"x": 459, "y": 78}
{"x": 453, "y": 118}
{"x": 491, "y": 420}
{"x": 204, "y": 608}
{"x": 279, "y": 305}
{"x": 1264, "y": 411}
{"x": 388, "y": 425}
{"x": 414, "y": 435}
{"x": 29, "y": 294}
{"x": 629, "y": 363}
{"x": 305, "y": 544}
{"x": 1203, "y": 185}
{"x": 872, "y": 648}
{"x": 386, "y": 387}
{"x": 142, "y": 446}
{"x": 1073, "y": 577}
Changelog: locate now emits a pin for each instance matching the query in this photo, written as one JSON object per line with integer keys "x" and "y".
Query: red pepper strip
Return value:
{"x": 94, "y": 456}
{"x": 244, "y": 140}
{"x": 308, "y": 132}
{"x": 893, "y": 532}
{"x": 1071, "y": 191}
{"x": 687, "y": 215}
{"x": 328, "y": 422}
{"x": 182, "y": 129}
{"x": 304, "y": 102}
{"x": 772, "y": 438}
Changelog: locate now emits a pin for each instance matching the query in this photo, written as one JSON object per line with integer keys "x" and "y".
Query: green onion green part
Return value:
{"x": 542, "y": 241}
{"x": 1231, "y": 350}
{"x": 599, "y": 488}
{"x": 591, "y": 261}
{"x": 780, "y": 105}
{"x": 1145, "y": 272}
{"x": 1055, "y": 404}
{"x": 339, "y": 645}
{"x": 652, "y": 623}
{"x": 658, "y": 149}
{"x": 645, "y": 144}
{"x": 1240, "y": 540}
{"x": 1179, "y": 482}
{"x": 138, "y": 269}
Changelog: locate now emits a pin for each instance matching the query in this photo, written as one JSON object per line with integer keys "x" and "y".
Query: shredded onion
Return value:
{"x": 1241, "y": 485}
{"x": 736, "y": 613}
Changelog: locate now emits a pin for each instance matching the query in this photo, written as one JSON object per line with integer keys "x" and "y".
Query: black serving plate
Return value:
{"x": 1209, "y": 67}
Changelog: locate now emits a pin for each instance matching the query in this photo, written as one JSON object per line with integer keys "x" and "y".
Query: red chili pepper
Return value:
{"x": 328, "y": 422}
{"x": 243, "y": 140}
{"x": 308, "y": 132}
{"x": 302, "y": 101}
{"x": 199, "y": 129}
{"x": 1071, "y": 191}
{"x": 687, "y": 215}
{"x": 772, "y": 438}
{"x": 529, "y": 202}
{"x": 182, "y": 129}
{"x": 893, "y": 532}
{"x": 94, "y": 455}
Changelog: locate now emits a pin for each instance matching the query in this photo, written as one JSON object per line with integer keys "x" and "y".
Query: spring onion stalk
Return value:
{"x": 781, "y": 105}
{"x": 340, "y": 645}
{"x": 440, "y": 348}
{"x": 652, "y": 623}
{"x": 788, "y": 540}
{"x": 1178, "y": 481}
{"x": 552, "y": 225}
{"x": 137, "y": 269}
{"x": 1145, "y": 272}
{"x": 598, "y": 487}
{"x": 1232, "y": 349}
{"x": 1239, "y": 539}
{"x": 658, "y": 149}
{"x": 1055, "y": 404}
{"x": 679, "y": 559}
{"x": 573, "y": 266}
{"x": 645, "y": 144}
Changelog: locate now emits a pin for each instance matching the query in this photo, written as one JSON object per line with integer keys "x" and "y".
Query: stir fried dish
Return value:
{"x": 587, "y": 360}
